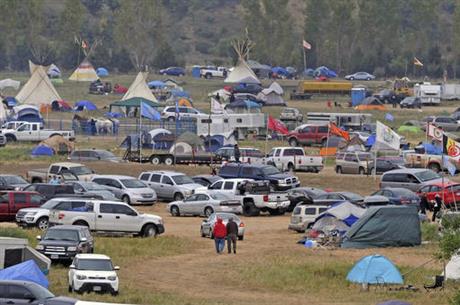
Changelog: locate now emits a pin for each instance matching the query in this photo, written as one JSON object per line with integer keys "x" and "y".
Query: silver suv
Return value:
{"x": 304, "y": 215}
{"x": 169, "y": 185}
{"x": 353, "y": 163}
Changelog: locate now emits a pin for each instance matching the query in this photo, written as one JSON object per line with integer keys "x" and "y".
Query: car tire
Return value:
{"x": 208, "y": 211}
{"x": 250, "y": 210}
{"x": 241, "y": 237}
{"x": 149, "y": 231}
{"x": 10, "y": 138}
{"x": 361, "y": 171}
{"x": 125, "y": 199}
{"x": 368, "y": 78}
{"x": 169, "y": 160}
{"x": 178, "y": 197}
{"x": 175, "y": 211}
{"x": 352, "y": 78}
{"x": 171, "y": 119}
{"x": 293, "y": 142}
{"x": 42, "y": 223}
{"x": 291, "y": 167}
{"x": 338, "y": 169}
{"x": 70, "y": 289}
{"x": 114, "y": 293}
{"x": 155, "y": 160}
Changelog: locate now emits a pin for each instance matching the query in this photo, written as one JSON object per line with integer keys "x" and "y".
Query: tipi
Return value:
{"x": 38, "y": 89}
{"x": 242, "y": 73}
{"x": 85, "y": 71}
{"x": 139, "y": 88}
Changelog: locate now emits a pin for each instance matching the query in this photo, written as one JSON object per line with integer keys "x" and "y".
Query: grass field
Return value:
{"x": 180, "y": 267}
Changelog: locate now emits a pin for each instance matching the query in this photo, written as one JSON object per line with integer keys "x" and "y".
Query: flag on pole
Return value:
{"x": 277, "y": 126}
{"x": 338, "y": 131}
{"x": 450, "y": 167}
{"x": 434, "y": 132}
{"x": 386, "y": 138}
{"x": 84, "y": 45}
{"x": 306, "y": 45}
{"x": 150, "y": 112}
{"x": 417, "y": 62}
{"x": 450, "y": 147}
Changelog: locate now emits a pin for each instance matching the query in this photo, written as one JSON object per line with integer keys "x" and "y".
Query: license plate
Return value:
{"x": 54, "y": 256}
{"x": 97, "y": 288}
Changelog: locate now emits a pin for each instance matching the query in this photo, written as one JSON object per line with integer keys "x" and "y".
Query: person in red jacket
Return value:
{"x": 220, "y": 233}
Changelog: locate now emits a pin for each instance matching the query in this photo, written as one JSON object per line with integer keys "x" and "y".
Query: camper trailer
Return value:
{"x": 429, "y": 94}
{"x": 16, "y": 250}
{"x": 346, "y": 120}
{"x": 450, "y": 92}
{"x": 243, "y": 123}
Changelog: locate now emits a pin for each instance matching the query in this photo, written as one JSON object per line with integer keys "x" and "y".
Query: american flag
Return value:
{"x": 306, "y": 45}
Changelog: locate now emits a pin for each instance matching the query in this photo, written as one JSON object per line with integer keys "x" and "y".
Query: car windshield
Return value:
{"x": 427, "y": 175}
{"x": 219, "y": 196}
{"x": 353, "y": 196}
{"x": 104, "y": 154}
{"x": 94, "y": 264}
{"x": 92, "y": 186}
{"x": 50, "y": 204}
{"x": 225, "y": 216}
{"x": 182, "y": 179}
{"x": 403, "y": 192}
{"x": 40, "y": 292}
{"x": 14, "y": 180}
{"x": 80, "y": 170}
{"x": 270, "y": 170}
{"x": 133, "y": 183}
{"x": 54, "y": 234}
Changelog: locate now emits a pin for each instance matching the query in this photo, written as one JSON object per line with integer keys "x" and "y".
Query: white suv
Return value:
{"x": 93, "y": 272}
{"x": 169, "y": 113}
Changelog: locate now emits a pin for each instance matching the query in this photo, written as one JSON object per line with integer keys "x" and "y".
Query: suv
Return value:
{"x": 353, "y": 163}
{"x": 304, "y": 215}
{"x": 134, "y": 190}
{"x": 25, "y": 292}
{"x": 93, "y": 272}
{"x": 12, "y": 182}
{"x": 169, "y": 185}
{"x": 169, "y": 113}
{"x": 445, "y": 122}
{"x": 308, "y": 134}
{"x": 291, "y": 114}
{"x": 410, "y": 178}
{"x": 64, "y": 242}
{"x": 174, "y": 71}
{"x": 12, "y": 201}
{"x": 278, "y": 181}
{"x": 248, "y": 155}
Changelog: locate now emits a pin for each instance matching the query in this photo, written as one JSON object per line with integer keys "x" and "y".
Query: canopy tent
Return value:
{"x": 272, "y": 96}
{"x": 139, "y": 88}
{"x": 181, "y": 148}
{"x": 38, "y": 89}
{"x": 375, "y": 269}
{"x": 345, "y": 214}
{"x": 53, "y": 71}
{"x": 84, "y": 105}
{"x": 28, "y": 113}
{"x": 25, "y": 271}
{"x": 9, "y": 83}
{"x": 102, "y": 72}
{"x": 42, "y": 151}
{"x": 60, "y": 106}
{"x": 242, "y": 73}
{"x": 130, "y": 106}
{"x": 84, "y": 73}
{"x": 385, "y": 226}
{"x": 370, "y": 103}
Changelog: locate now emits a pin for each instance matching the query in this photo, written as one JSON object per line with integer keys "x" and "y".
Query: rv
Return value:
{"x": 450, "y": 92}
{"x": 346, "y": 120}
{"x": 429, "y": 94}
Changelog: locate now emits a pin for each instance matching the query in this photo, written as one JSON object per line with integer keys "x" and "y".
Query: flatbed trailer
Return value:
{"x": 171, "y": 159}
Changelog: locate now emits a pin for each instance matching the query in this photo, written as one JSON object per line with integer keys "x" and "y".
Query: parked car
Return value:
{"x": 93, "y": 155}
{"x": 248, "y": 154}
{"x": 64, "y": 242}
{"x": 303, "y": 194}
{"x": 304, "y": 216}
{"x": 12, "y": 182}
{"x": 399, "y": 196}
{"x": 93, "y": 272}
{"x": 12, "y": 201}
{"x": 25, "y": 292}
{"x": 449, "y": 192}
{"x": 308, "y": 134}
{"x": 388, "y": 96}
{"x": 353, "y": 163}
{"x": 169, "y": 185}
{"x": 91, "y": 188}
{"x": 205, "y": 204}
{"x": 291, "y": 114}
{"x": 206, "y": 180}
{"x": 210, "y": 72}
{"x": 294, "y": 159}
{"x": 385, "y": 164}
{"x": 333, "y": 197}
{"x": 134, "y": 190}
{"x": 410, "y": 178}
{"x": 411, "y": 102}
{"x": 33, "y": 131}
{"x": 207, "y": 226}
{"x": 447, "y": 123}
{"x": 170, "y": 113}
{"x": 247, "y": 88}
{"x": 49, "y": 191}
{"x": 174, "y": 71}
{"x": 278, "y": 181}
{"x": 360, "y": 76}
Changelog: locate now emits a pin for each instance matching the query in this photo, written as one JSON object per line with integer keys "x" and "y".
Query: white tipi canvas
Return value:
{"x": 38, "y": 89}
{"x": 242, "y": 73}
{"x": 139, "y": 88}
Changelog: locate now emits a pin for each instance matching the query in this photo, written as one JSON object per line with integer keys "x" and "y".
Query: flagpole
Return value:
{"x": 140, "y": 133}
{"x": 304, "y": 59}
{"x": 266, "y": 135}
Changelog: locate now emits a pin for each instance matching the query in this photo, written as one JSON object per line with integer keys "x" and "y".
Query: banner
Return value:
{"x": 386, "y": 138}
{"x": 434, "y": 132}
{"x": 339, "y": 132}
{"x": 277, "y": 126}
{"x": 450, "y": 147}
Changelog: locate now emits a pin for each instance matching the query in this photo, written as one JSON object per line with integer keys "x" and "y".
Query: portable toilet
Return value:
{"x": 196, "y": 71}
{"x": 357, "y": 95}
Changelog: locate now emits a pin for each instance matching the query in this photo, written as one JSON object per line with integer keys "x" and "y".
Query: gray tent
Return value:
{"x": 385, "y": 226}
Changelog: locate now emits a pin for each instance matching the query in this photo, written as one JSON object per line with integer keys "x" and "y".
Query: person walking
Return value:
{"x": 237, "y": 153}
{"x": 232, "y": 235}
{"x": 220, "y": 233}
{"x": 437, "y": 206}
{"x": 424, "y": 204}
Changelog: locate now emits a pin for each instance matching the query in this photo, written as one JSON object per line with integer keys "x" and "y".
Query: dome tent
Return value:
{"x": 85, "y": 105}
{"x": 102, "y": 72}
{"x": 375, "y": 269}
{"x": 42, "y": 151}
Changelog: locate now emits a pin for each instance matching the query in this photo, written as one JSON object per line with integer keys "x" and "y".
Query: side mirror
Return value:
{"x": 84, "y": 239}
{"x": 39, "y": 237}
{"x": 72, "y": 266}
{"x": 116, "y": 268}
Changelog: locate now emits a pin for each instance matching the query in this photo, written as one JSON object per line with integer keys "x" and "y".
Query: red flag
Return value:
{"x": 306, "y": 45}
{"x": 277, "y": 125}
{"x": 339, "y": 132}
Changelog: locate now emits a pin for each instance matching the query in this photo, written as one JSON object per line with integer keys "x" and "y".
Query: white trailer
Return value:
{"x": 226, "y": 124}
{"x": 429, "y": 94}
{"x": 450, "y": 92}
{"x": 347, "y": 120}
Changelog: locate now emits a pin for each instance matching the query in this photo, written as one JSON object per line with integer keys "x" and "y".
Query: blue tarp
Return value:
{"x": 156, "y": 84}
{"x": 84, "y": 105}
{"x": 101, "y": 71}
{"x": 281, "y": 71}
{"x": 213, "y": 143}
{"x": 10, "y": 101}
{"x": 26, "y": 271}
{"x": 375, "y": 269}
{"x": 42, "y": 150}
{"x": 179, "y": 93}
{"x": 324, "y": 71}
{"x": 432, "y": 149}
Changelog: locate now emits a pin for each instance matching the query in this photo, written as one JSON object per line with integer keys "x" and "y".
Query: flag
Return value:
{"x": 449, "y": 166}
{"x": 306, "y": 45}
{"x": 339, "y": 132}
{"x": 84, "y": 45}
{"x": 434, "y": 132}
{"x": 277, "y": 126}
{"x": 149, "y": 112}
{"x": 386, "y": 138}
{"x": 450, "y": 147}
{"x": 389, "y": 117}
{"x": 417, "y": 62}
{"x": 216, "y": 107}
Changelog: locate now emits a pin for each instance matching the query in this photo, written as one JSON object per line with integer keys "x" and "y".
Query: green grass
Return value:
{"x": 430, "y": 231}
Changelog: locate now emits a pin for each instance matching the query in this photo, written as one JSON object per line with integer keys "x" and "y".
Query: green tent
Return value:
{"x": 405, "y": 128}
{"x": 385, "y": 226}
{"x": 129, "y": 105}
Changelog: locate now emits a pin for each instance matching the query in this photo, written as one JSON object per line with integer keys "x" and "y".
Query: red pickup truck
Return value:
{"x": 308, "y": 134}
{"x": 12, "y": 201}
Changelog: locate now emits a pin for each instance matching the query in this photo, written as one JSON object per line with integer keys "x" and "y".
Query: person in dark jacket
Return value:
{"x": 232, "y": 234}
{"x": 220, "y": 233}
{"x": 424, "y": 204}
{"x": 237, "y": 153}
{"x": 437, "y": 206}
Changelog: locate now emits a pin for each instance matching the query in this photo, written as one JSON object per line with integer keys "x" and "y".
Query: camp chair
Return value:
{"x": 438, "y": 283}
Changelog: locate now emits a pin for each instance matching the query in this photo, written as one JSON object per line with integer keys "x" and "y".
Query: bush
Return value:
{"x": 456, "y": 299}
{"x": 451, "y": 222}
{"x": 449, "y": 244}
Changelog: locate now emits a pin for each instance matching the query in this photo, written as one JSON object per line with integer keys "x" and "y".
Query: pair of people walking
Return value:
{"x": 222, "y": 232}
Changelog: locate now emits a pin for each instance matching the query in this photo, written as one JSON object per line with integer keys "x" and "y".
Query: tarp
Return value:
{"x": 214, "y": 142}
{"x": 38, "y": 89}
{"x": 84, "y": 73}
{"x": 375, "y": 269}
{"x": 340, "y": 217}
{"x": 25, "y": 271}
{"x": 9, "y": 83}
{"x": 179, "y": 93}
{"x": 10, "y": 101}
{"x": 101, "y": 72}
{"x": 42, "y": 150}
{"x": 139, "y": 88}
{"x": 85, "y": 105}
{"x": 53, "y": 71}
{"x": 242, "y": 73}
{"x": 385, "y": 226}
{"x": 156, "y": 84}
{"x": 453, "y": 268}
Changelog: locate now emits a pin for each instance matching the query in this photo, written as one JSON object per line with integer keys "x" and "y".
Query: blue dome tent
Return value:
{"x": 101, "y": 72}
{"x": 156, "y": 84}
{"x": 26, "y": 271}
{"x": 42, "y": 151}
{"x": 375, "y": 269}
{"x": 28, "y": 113}
{"x": 84, "y": 105}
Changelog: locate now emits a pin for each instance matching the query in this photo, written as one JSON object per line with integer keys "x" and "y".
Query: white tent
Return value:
{"x": 242, "y": 73}
{"x": 139, "y": 88}
{"x": 272, "y": 95}
{"x": 84, "y": 73}
{"x": 38, "y": 89}
{"x": 9, "y": 83}
{"x": 453, "y": 268}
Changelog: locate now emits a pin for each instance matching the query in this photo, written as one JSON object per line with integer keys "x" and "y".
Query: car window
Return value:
{"x": 272, "y": 153}
{"x": 192, "y": 198}
{"x": 166, "y": 180}
{"x": 20, "y": 198}
{"x": 454, "y": 188}
{"x": 114, "y": 183}
{"x": 35, "y": 199}
{"x": 229, "y": 170}
{"x": 145, "y": 177}
{"x": 17, "y": 292}
{"x": 322, "y": 210}
{"x": 277, "y": 153}
{"x": 435, "y": 188}
{"x": 228, "y": 185}
{"x": 310, "y": 211}
{"x": 351, "y": 158}
{"x": 123, "y": 209}
{"x": 54, "y": 169}
{"x": 107, "y": 208}
{"x": 216, "y": 186}
{"x": 308, "y": 129}
{"x": 202, "y": 197}
{"x": 155, "y": 178}
{"x": 334, "y": 196}
{"x": 322, "y": 129}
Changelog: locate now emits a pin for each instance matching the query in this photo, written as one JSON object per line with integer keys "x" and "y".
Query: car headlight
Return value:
{"x": 39, "y": 247}
{"x": 81, "y": 277}
{"x": 112, "y": 278}
{"x": 71, "y": 248}
{"x": 280, "y": 181}
{"x": 31, "y": 214}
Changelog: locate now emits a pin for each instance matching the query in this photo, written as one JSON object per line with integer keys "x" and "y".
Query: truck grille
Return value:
{"x": 20, "y": 215}
{"x": 96, "y": 277}
{"x": 54, "y": 248}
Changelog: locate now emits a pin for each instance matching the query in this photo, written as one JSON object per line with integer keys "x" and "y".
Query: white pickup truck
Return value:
{"x": 34, "y": 132}
{"x": 213, "y": 72}
{"x": 255, "y": 196}
{"x": 294, "y": 159}
{"x": 65, "y": 170}
{"x": 109, "y": 216}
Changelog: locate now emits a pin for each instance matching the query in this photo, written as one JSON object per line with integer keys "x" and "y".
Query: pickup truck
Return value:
{"x": 68, "y": 171}
{"x": 35, "y": 132}
{"x": 213, "y": 72}
{"x": 294, "y": 159}
{"x": 109, "y": 216}
{"x": 12, "y": 201}
{"x": 255, "y": 196}
{"x": 433, "y": 162}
